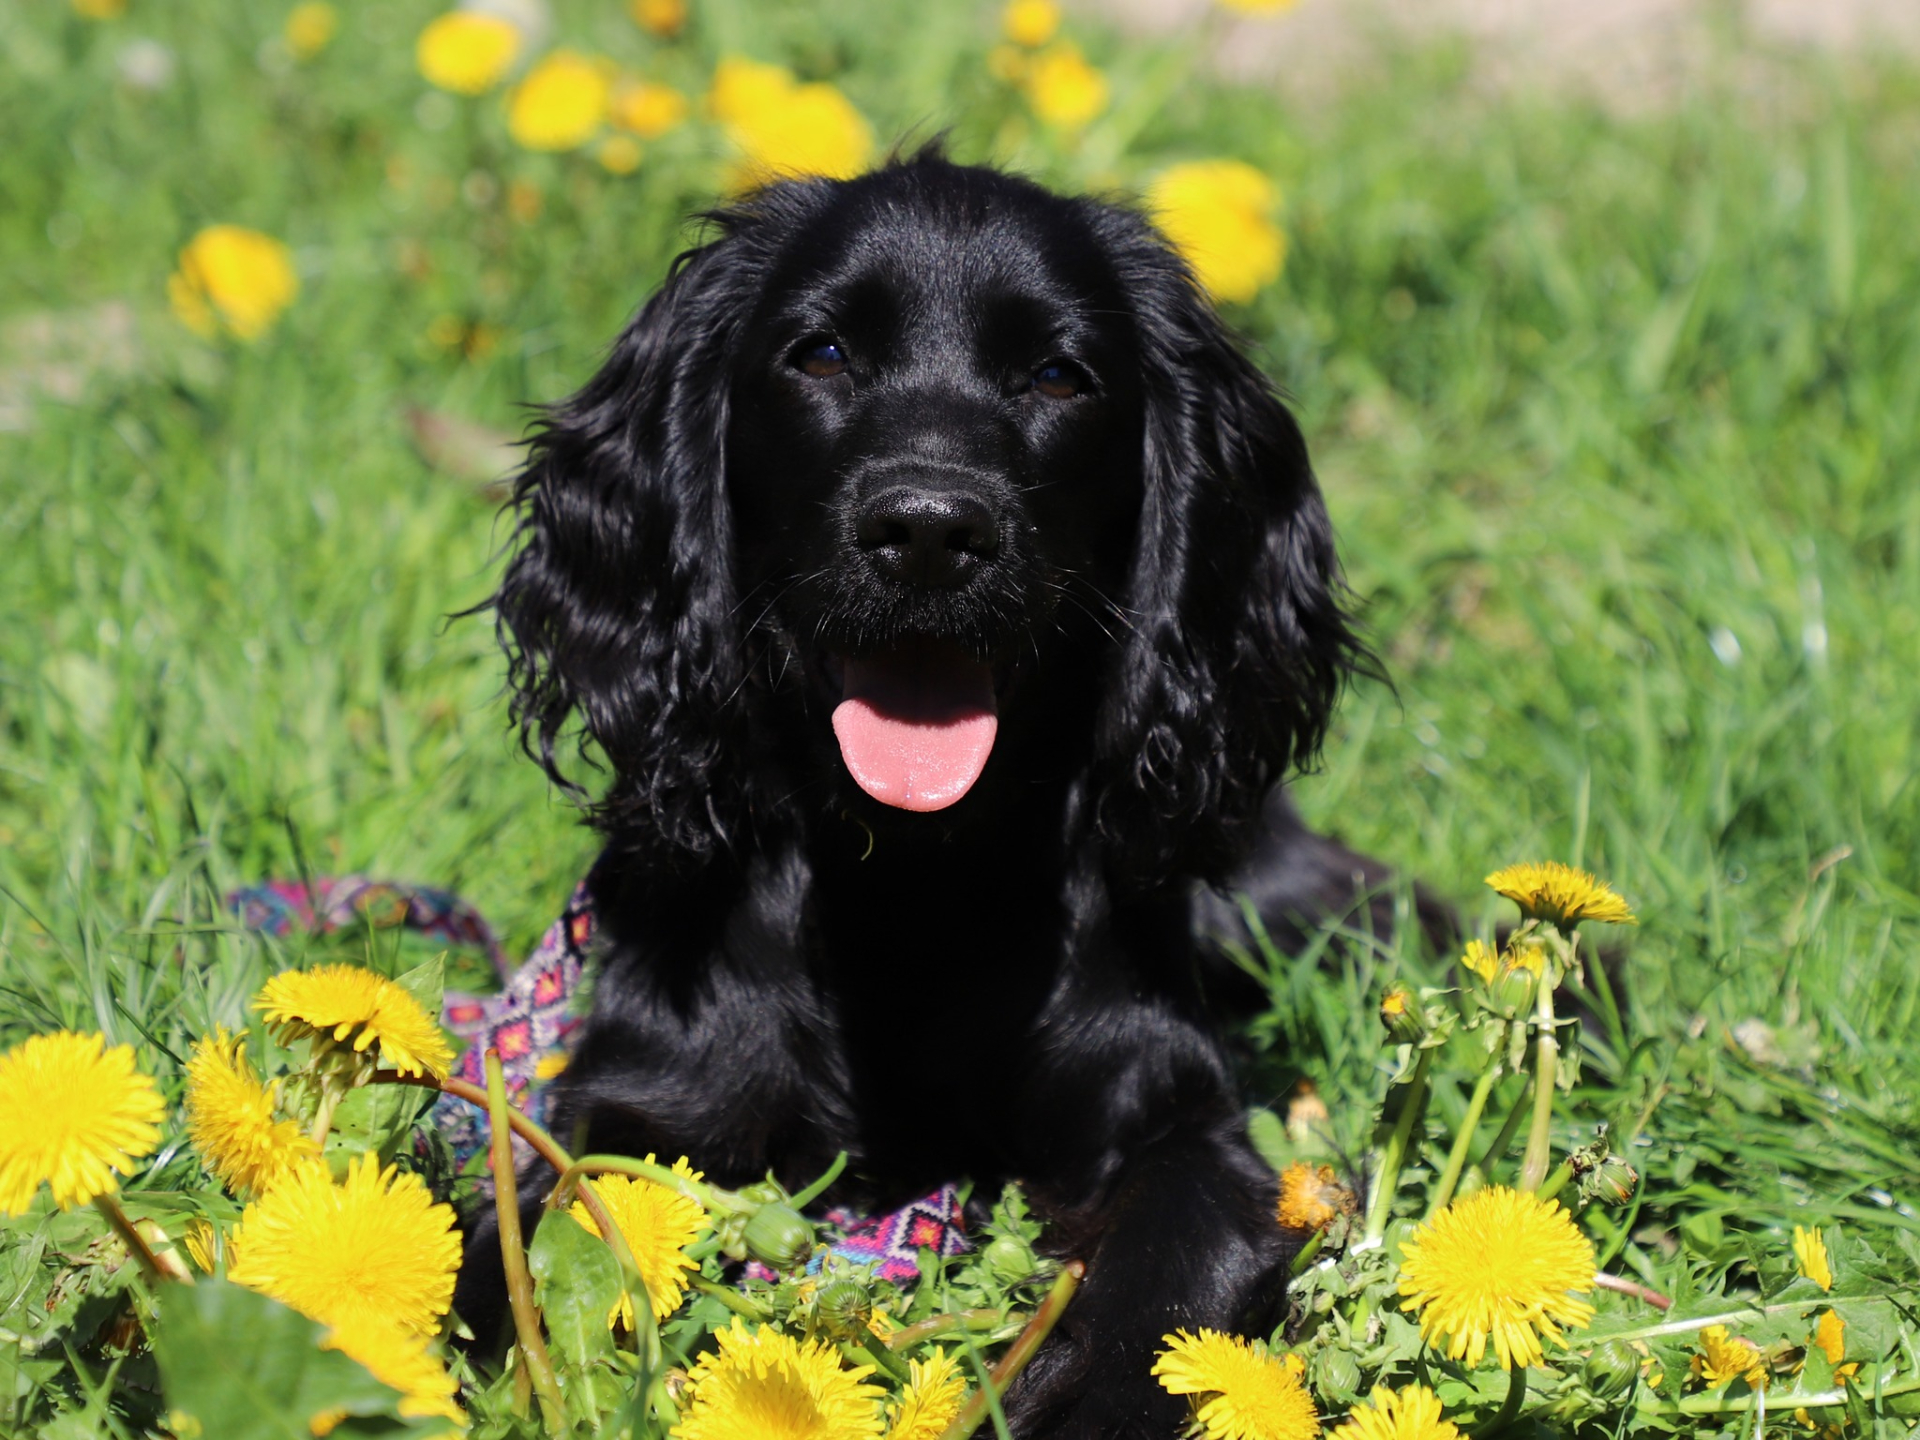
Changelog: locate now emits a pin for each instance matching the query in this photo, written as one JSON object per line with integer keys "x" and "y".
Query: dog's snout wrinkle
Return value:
{"x": 935, "y": 538}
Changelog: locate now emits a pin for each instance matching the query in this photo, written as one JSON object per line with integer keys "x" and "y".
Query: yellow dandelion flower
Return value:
{"x": 647, "y": 109}
{"x": 932, "y": 1398}
{"x": 1219, "y": 215}
{"x": 664, "y": 18}
{"x": 1310, "y": 1197}
{"x": 1830, "y": 1337}
{"x": 1548, "y": 890}
{"x": 741, "y": 87}
{"x": 1063, "y": 88}
{"x": 467, "y": 52}
{"x": 619, "y": 154}
{"x": 310, "y": 28}
{"x": 374, "y": 1249}
{"x": 1031, "y": 23}
{"x": 99, "y": 9}
{"x": 1409, "y": 1414}
{"x": 403, "y": 1361}
{"x": 657, "y": 1224}
{"x": 1394, "y": 1003}
{"x": 1259, "y": 7}
{"x": 332, "y": 1004}
{"x": 234, "y": 278}
{"x": 1481, "y": 959}
{"x": 561, "y": 103}
{"x": 230, "y": 1117}
{"x": 783, "y": 129}
{"x": 203, "y": 1245}
{"x": 1251, "y": 1395}
{"x": 1724, "y": 1357}
{"x": 72, "y": 1112}
{"x": 1810, "y": 1249}
{"x": 1502, "y": 1265}
{"x": 762, "y": 1385}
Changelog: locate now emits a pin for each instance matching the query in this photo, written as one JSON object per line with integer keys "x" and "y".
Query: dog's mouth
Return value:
{"x": 915, "y": 722}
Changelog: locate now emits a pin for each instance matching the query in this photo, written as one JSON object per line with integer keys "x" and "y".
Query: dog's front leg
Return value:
{"x": 1185, "y": 1237}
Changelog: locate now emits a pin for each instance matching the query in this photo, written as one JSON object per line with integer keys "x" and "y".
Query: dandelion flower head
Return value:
{"x": 467, "y": 52}
{"x": 561, "y": 103}
{"x": 661, "y": 18}
{"x": 1063, "y": 88}
{"x": 658, "y": 1224}
{"x": 1247, "y": 1393}
{"x": 931, "y": 1399}
{"x": 1031, "y": 23}
{"x": 1260, "y": 7}
{"x": 1725, "y": 1357}
{"x": 1481, "y": 959}
{"x": 374, "y": 1249}
{"x": 1219, "y": 215}
{"x": 72, "y": 1113}
{"x": 1310, "y": 1197}
{"x": 1409, "y": 1414}
{"x": 1549, "y": 890}
{"x": 783, "y": 128}
{"x": 647, "y": 109}
{"x": 338, "y": 1003}
{"x": 763, "y": 1385}
{"x": 1500, "y": 1265}
{"x": 310, "y": 28}
{"x": 232, "y": 278}
{"x": 1810, "y": 1249}
{"x": 230, "y": 1117}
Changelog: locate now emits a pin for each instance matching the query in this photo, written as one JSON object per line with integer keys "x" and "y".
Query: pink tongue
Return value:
{"x": 916, "y": 726}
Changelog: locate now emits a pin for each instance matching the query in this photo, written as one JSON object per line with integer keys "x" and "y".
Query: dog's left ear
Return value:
{"x": 1241, "y": 640}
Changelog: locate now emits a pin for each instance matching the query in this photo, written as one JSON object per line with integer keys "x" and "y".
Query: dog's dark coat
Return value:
{"x": 1010, "y": 987}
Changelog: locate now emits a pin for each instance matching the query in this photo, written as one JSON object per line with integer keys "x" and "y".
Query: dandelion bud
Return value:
{"x": 1009, "y": 1259}
{"x": 1611, "y": 1182}
{"x": 1403, "y": 1017}
{"x": 762, "y": 1192}
{"x": 1513, "y": 992}
{"x": 1610, "y": 1370}
{"x": 842, "y": 1310}
{"x": 1336, "y": 1376}
{"x": 778, "y": 1235}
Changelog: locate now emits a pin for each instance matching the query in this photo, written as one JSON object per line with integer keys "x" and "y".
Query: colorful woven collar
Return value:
{"x": 531, "y": 1022}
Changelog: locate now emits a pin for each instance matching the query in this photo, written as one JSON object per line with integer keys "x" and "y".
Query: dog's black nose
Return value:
{"x": 935, "y": 538}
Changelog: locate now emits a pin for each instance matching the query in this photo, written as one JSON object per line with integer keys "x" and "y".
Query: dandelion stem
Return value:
{"x": 907, "y": 1336}
{"x": 1509, "y": 1409}
{"x": 881, "y": 1359}
{"x": 323, "y": 1113}
{"x": 818, "y": 1188}
{"x": 1386, "y": 1180}
{"x": 1533, "y": 1166}
{"x": 709, "y": 1197}
{"x": 136, "y": 1243}
{"x": 1619, "y": 1286}
{"x": 1303, "y": 1257}
{"x": 1556, "y": 1182}
{"x": 731, "y": 1298}
{"x": 1024, "y": 1346}
{"x": 1463, "y": 1142}
{"x": 513, "y": 1256}
{"x": 1498, "y": 1148}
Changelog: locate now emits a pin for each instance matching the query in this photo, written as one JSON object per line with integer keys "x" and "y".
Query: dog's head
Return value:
{"x": 908, "y": 492}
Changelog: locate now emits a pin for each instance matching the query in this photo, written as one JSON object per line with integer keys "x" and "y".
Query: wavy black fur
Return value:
{"x": 1016, "y": 986}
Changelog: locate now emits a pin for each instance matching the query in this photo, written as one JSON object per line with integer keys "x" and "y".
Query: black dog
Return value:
{"x": 947, "y": 593}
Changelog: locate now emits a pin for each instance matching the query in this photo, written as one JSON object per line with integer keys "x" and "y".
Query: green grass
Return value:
{"x": 1619, "y": 420}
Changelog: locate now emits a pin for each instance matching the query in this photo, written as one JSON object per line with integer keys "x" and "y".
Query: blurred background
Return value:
{"x": 1601, "y": 322}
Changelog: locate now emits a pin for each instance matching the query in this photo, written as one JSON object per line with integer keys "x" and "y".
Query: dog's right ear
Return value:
{"x": 618, "y": 603}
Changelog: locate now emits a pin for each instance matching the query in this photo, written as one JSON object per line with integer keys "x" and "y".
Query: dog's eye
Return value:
{"x": 821, "y": 358}
{"x": 1059, "y": 380}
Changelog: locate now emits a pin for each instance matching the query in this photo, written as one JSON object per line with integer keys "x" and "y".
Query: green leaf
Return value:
{"x": 374, "y": 1119}
{"x": 576, "y": 1282}
{"x": 427, "y": 983}
{"x": 248, "y": 1368}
